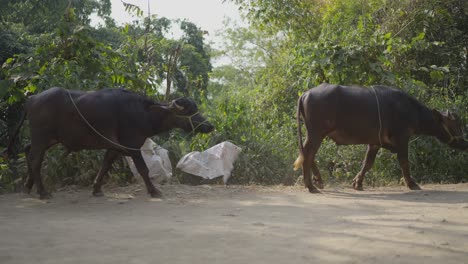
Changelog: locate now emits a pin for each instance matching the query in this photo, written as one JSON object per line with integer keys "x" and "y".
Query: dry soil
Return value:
{"x": 214, "y": 224}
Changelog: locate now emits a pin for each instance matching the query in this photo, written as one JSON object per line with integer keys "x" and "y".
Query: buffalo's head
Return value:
{"x": 450, "y": 129}
{"x": 183, "y": 113}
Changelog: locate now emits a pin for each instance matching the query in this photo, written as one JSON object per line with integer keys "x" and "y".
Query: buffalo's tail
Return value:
{"x": 300, "y": 111}
{"x": 8, "y": 151}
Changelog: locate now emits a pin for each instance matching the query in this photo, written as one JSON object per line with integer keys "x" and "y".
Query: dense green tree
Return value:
{"x": 43, "y": 16}
{"x": 195, "y": 59}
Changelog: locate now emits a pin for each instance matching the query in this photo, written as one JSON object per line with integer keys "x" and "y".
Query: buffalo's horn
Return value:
{"x": 447, "y": 113}
{"x": 450, "y": 115}
{"x": 179, "y": 107}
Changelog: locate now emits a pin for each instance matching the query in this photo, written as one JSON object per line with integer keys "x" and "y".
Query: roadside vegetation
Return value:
{"x": 290, "y": 46}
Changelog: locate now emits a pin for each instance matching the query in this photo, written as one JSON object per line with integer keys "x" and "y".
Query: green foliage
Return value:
{"x": 11, "y": 173}
{"x": 43, "y": 16}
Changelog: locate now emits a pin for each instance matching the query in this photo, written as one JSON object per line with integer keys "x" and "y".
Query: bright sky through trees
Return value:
{"x": 207, "y": 14}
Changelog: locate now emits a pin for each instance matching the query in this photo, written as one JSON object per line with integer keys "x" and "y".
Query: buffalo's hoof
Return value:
{"x": 156, "y": 194}
{"x": 413, "y": 186}
{"x": 45, "y": 196}
{"x": 26, "y": 189}
{"x": 313, "y": 190}
{"x": 319, "y": 184}
{"x": 357, "y": 186}
{"x": 98, "y": 194}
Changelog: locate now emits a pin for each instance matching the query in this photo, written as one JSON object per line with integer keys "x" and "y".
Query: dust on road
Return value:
{"x": 213, "y": 224}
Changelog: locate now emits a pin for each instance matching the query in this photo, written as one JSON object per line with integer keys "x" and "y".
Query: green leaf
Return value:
{"x": 437, "y": 75}
{"x": 420, "y": 36}
{"x": 31, "y": 88}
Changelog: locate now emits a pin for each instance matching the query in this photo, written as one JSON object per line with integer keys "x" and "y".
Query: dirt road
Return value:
{"x": 213, "y": 224}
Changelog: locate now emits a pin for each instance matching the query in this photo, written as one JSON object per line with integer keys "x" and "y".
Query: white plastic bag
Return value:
{"x": 156, "y": 159}
{"x": 214, "y": 162}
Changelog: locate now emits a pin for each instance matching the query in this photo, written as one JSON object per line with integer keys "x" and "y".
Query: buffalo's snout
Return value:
{"x": 207, "y": 128}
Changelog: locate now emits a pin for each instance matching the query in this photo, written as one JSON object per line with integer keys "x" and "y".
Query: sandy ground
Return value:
{"x": 213, "y": 224}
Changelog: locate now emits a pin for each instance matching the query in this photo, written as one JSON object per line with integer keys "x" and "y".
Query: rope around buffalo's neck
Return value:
{"x": 115, "y": 143}
{"x": 95, "y": 130}
{"x": 452, "y": 137}
{"x": 380, "y": 118}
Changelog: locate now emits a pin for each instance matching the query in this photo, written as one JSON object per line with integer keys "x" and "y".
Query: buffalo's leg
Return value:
{"x": 311, "y": 147}
{"x": 317, "y": 180}
{"x": 366, "y": 166}
{"x": 405, "y": 168}
{"x": 109, "y": 158}
{"x": 143, "y": 170}
{"x": 35, "y": 158}
{"x": 28, "y": 184}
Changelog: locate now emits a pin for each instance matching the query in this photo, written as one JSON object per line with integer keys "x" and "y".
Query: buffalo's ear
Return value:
{"x": 437, "y": 116}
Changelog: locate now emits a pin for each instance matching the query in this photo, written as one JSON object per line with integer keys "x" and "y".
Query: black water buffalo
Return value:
{"x": 114, "y": 119}
{"x": 378, "y": 116}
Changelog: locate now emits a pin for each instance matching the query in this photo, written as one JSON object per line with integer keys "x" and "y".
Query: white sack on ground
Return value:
{"x": 156, "y": 159}
{"x": 214, "y": 162}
